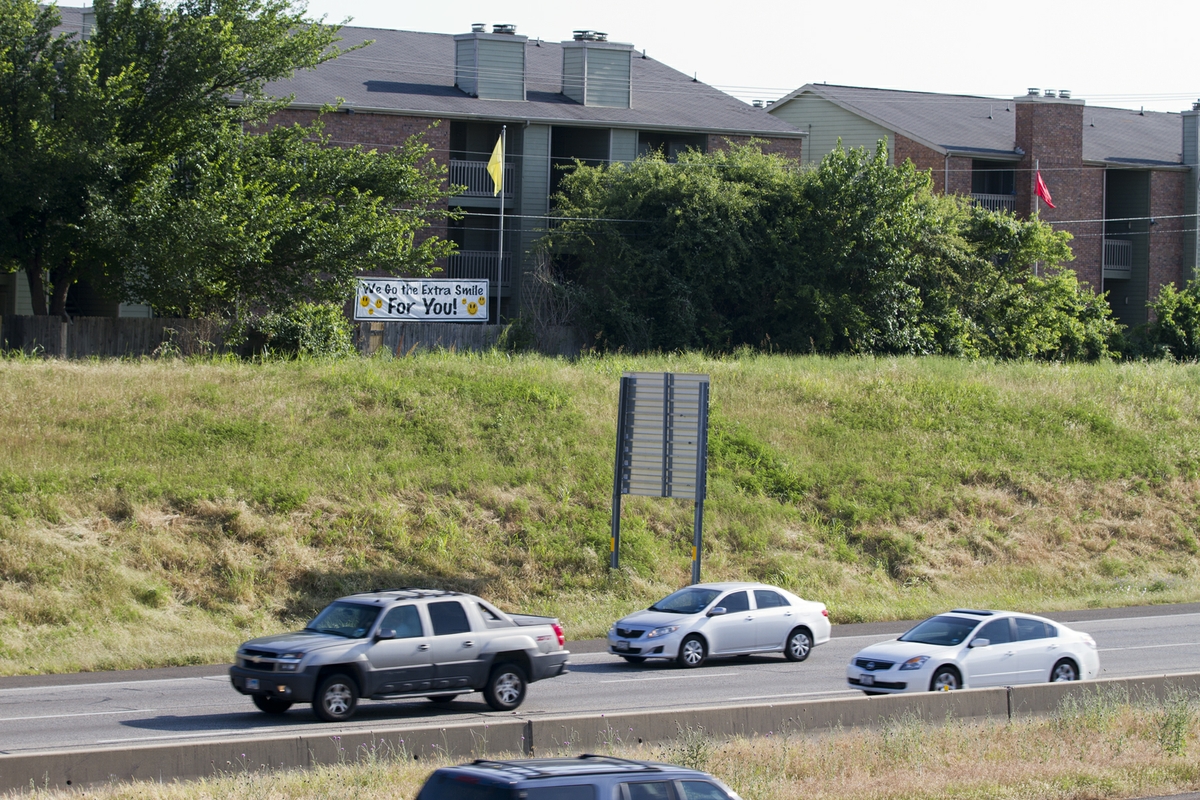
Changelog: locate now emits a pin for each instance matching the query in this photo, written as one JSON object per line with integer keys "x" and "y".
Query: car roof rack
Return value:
{"x": 598, "y": 762}
{"x": 974, "y": 611}
{"x": 414, "y": 590}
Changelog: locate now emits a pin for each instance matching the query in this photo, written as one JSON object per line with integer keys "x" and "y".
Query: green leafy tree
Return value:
{"x": 739, "y": 248}
{"x": 1176, "y": 326}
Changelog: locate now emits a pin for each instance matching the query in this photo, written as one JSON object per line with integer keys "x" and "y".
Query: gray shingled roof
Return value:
{"x": 987, "y": 125}
{"x": 413, "y": 73}
{"x": 410, "y": 72}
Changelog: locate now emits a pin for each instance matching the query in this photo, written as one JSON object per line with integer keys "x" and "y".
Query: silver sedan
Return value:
{"x": 721, "y": 619}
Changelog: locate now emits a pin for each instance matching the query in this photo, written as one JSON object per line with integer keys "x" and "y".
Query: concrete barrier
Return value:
{"x": 568, "y": 734}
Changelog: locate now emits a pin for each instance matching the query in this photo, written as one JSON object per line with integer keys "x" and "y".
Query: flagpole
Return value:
{"x": 1037, "y": 176}
{"x": 500, "y": 254}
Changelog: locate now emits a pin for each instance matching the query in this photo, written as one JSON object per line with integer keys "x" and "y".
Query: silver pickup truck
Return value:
{"x": 400, "y": 643}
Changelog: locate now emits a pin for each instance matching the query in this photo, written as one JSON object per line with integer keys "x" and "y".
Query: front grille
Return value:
{"x": 629, "y": 633}
{"x": 265, "y": 666}
{"x": 871, "y": 665}
{"x": 262, "y": 653}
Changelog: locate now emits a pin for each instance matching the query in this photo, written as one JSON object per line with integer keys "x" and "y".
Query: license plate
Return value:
{"x": 867, "y": 680}
{"x": 251, "y": 684}
{"x": 622, "y": 645}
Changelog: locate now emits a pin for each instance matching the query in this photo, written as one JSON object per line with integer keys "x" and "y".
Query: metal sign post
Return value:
{"x": 662, "y": 447}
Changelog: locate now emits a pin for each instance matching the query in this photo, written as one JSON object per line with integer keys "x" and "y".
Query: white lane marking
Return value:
{"x": 793, "y": 694}
{"x": 1149, "y": 646}
{"x": 142, "y": 682}
{"x": 82, "y": 714}
{"x": 671, "y": 677}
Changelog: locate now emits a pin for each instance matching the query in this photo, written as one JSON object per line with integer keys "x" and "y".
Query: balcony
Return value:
{"x": 995, "y": 202}
{"x": 478, "y": 265}
{"x": 474, "y": 176}
{"x": 1118, "y": 259}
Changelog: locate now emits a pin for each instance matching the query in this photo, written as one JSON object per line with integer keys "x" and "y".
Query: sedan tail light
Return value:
{"x": 824, "y": 612}
{"x": 558, "y": 631}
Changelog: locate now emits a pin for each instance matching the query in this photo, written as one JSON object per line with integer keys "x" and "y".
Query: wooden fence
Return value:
{"x": 113, "y": 337}
{"x": 110, "y": 337}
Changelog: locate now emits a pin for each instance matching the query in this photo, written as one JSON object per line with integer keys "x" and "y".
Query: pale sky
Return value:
{"x": 1128, "y": 55}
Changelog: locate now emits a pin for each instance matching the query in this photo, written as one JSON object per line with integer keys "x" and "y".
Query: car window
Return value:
{"x": 686, "y": 601}
{"x": 649, "y": 790}
{"x": 765, "y": 598}
{"x": 703, "y": 790}
{"x": 404, "y": 620}
{"x": 448, "y": 786}
{"x": 1051, "y": 631}
{"x": 448, "y": 617}
{"x": 1028, "y": 629}
{"x": 996, "y": 632}
{"x": 352, "y": 620}
{"x": 738, "y": 601}
{"x": 580, "y": 792}
{"x": 941, "y": 631}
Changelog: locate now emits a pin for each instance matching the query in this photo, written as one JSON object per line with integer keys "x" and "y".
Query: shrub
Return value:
{"x": 313, "y": 329}
{"x": 1176, "y": 331}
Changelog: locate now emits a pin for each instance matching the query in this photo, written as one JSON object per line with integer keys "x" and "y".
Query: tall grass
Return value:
{"x": 158, "y": 512}
{"x": 1101, "y": 746}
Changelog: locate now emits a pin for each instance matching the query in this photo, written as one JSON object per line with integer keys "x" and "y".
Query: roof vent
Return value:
{"x": 1033, "y": 91}
{"x": 1196, "y": 106}
{"x": 478, "y": 27}
{"x": 758, "y": 103}
{"x": 1049, "y": 93}
{"x": 507, "y": 29}
{"x": 589, "y": 36}
{"x": 1064, "y": 94}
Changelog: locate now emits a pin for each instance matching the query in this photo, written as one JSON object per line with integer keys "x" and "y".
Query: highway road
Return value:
{"x": 67, "y": 712}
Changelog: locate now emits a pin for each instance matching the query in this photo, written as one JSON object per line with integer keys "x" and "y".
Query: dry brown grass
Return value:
{"x": 1100, "y": 748}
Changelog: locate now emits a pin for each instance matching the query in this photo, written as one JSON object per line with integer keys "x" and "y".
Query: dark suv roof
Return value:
{"x": 486, "y": 777}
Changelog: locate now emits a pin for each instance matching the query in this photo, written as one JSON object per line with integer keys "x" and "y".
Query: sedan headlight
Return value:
{"x": 916, "y": 662}
{"x": 663, "y": 631}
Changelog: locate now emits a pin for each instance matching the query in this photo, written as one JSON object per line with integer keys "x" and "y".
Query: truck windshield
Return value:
{"x": 942, "y": 631}
{"x": 686, "y": 601}
{"x": 351, "y": 620}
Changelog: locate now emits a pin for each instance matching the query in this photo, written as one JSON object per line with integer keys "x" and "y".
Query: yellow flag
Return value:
{"x": 495, "y": 166}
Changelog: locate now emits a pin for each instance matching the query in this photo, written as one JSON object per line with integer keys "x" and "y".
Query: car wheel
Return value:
{"x": 336, "y": 698}
{"x": 692, "y": 652}
{"x": 271, "y": 705}
{"x": 442, "y": 699}
{"x": 799, "y": 645}
{"x": 635, "y": 659}
{"x": 505, "y": 688}
{"x": 1064, "y": 671}
{"x": 946, "y": 679}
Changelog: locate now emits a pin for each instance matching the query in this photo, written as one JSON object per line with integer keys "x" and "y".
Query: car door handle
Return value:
{"x": 1009, "y": 653}
{"x": 422, "y": 647}
{"x": 468, "y": 643}
{"x": 750, "y": 616}
{"x": 787, "y": 613}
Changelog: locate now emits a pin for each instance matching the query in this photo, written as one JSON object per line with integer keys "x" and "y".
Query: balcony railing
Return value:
{"x": 995, "y": 202}
{"x": 474, "y": 176}
{"x": 1118, "y": 258}
{"x": 478, "y": 265}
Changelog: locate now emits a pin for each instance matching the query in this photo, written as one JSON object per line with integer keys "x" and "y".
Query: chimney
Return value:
{"x": 1049, "y": 130}
{"x": 1191, "y": 192}
{"x": 490, "y": 66}
{"x": 597, "y": 72}
{"x": 89, "y": 22}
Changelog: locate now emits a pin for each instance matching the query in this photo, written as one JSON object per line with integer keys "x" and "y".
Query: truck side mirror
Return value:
{"x": 389, "y": 633}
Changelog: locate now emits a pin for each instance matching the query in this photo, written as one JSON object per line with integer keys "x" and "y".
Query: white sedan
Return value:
{"x": 721, "y": 619}
{"x": 967, "y": 649}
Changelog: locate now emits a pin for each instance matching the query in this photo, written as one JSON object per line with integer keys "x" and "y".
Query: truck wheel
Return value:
{"x": 336, "y": 698}
{"x": 271, "y": 705}
{"x": 505, "y": 687}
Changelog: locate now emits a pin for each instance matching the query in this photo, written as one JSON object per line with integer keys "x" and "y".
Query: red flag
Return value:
{"x": 1042, "y": 191}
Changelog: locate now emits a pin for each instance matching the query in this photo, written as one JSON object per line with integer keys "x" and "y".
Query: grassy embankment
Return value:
{"x": 161, "y": 512}
{"x": 1102, "y": 746}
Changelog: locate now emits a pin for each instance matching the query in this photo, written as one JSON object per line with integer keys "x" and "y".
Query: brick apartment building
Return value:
{"x": 585, "y": 98}
{"x": 1124, "y": 182}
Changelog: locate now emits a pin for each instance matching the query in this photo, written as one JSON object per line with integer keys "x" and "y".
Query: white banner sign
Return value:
{"x": 421, "y": 300}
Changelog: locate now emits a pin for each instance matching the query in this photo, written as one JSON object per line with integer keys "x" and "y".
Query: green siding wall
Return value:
{"x": 828, "y": 122}
{"x": 573, "y": 73}
{"x": 1128, "y": 195}
{"x": 608, "y": 78}
{"x": 624, "y": 145}
{"x": 464, "y": 65}
{"x": 501, "y": 69}
{"x": 533, "y": 200}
